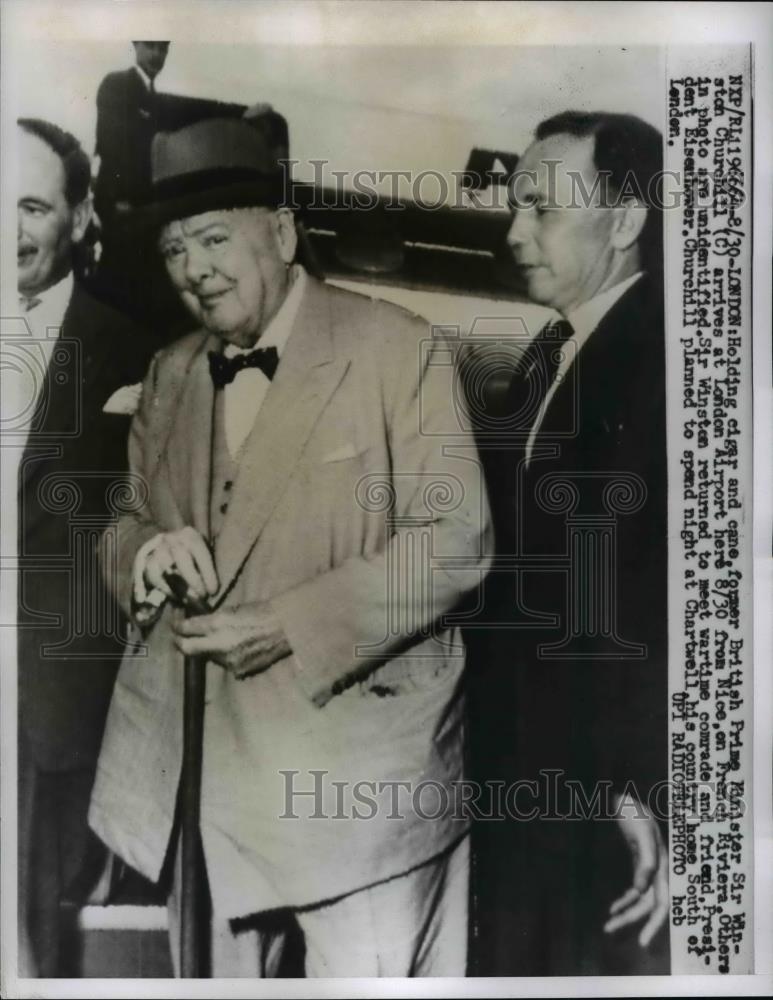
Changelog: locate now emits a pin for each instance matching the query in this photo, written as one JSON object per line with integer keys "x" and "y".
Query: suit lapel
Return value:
{"x": 96, "y": 352}
{"x": 306, "y": 378}
{"x": 615, "y": 335}
{"x": 189, "y": 445}
{"x": 61, "y": 412}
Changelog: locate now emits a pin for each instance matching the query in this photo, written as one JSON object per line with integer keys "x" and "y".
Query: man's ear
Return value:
{"x": 286, "y": 235}
{"x": 629, "y": 221}
{"x": 81, "y": 217}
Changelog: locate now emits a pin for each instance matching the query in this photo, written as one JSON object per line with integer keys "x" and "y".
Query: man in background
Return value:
{"x": 87, "y": 361}
{"x": 129, "y": 113}
{"x": 582, "y": 697}
{"x": 126, "y": 124}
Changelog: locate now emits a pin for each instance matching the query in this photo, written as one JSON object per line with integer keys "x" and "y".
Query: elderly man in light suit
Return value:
{"x": 319, "y": 490}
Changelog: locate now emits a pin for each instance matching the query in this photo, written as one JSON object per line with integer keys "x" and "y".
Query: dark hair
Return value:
{"x": 629, "y": 153}
{"x": 77, "y": 169}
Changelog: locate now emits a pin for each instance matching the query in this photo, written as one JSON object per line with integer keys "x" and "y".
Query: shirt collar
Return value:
{"x": 144, "y": 77}
{"x": 53, "y": 302}
{"x": 279, "y": 329}
{"x": 586, "y": 317}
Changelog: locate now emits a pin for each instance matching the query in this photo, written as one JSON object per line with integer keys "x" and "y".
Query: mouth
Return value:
{"x": 24, "y": 255}
{"x": 211, "y": 299}
{"x": 529, "y": 269}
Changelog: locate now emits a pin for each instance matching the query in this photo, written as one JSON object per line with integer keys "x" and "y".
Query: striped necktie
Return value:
{"x": 535, "y": 373}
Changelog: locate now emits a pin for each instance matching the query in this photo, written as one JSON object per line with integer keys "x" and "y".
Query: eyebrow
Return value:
{"x": 179, "y": 237}
{"x": 204, "y": 227}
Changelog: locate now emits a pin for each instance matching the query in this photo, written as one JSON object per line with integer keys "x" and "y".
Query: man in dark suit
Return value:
{"x": 578, "y": 660}
{"x": 126, "y": 124}
{"x": 87, "y": 362}
{"x": 129, "y": 114}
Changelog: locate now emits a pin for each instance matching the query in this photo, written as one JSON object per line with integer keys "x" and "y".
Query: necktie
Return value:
{"x": 535, "y": 373}
{"x": 27, "y": 304}
{"x": 224, "y": 370}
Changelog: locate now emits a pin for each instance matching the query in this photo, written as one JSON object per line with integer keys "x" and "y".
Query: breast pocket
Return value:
{"x": 342, "y": 453}
{"x": 339, "y": 471}
{"x": 331, "y": 485}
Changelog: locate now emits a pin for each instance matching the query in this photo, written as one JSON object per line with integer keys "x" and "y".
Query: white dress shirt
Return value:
{"x": 583, "y": 320}
{"x": 149, "y": 85}
{"x": 244, "y": 396}
{"x": 242, "y": 401}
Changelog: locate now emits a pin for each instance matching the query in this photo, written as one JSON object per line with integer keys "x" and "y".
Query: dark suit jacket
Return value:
{"x": 126, "y": 123}
{"x": 70, "y": 635}
{"x": 595, "y": 716}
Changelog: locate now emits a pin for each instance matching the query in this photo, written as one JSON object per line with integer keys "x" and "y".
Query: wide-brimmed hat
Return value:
{"x": 222, "y": 163}
{"x": 213, "y": 164}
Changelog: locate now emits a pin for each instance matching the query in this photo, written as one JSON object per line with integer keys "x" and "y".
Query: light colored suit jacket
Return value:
{"x": 359, "y": 511}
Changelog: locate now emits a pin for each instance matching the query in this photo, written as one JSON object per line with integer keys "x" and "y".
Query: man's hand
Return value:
{"x": 183, "y": 552}
{"x": 648, "y": 896}
{"x": 245, "y": 640}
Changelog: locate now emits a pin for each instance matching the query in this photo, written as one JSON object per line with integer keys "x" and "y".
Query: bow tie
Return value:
{"x": 224, "y": 370}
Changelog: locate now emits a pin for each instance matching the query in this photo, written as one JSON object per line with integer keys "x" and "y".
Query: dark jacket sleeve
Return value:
{"x": 125, "y": 126}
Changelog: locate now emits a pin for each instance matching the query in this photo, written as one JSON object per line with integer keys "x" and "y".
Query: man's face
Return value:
{"x": 559, "y": 237}
{"x": 47, "y": 225}
{"x": 230, "y": 268}
{"x": 151, "y": 57}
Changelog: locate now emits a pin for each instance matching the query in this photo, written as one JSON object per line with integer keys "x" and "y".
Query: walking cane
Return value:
{"x": 191, "y": 913}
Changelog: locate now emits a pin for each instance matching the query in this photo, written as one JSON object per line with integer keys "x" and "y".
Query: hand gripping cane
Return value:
{"x": 192, "y": 917}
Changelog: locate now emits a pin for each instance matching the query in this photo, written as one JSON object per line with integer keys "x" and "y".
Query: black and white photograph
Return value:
{"x": 385, "y": 551}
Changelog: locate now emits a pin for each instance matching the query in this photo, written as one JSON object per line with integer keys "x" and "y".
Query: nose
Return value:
{"x": 19, "y": 227}
{"x": 517, "y": 233}
{"x": 197, "y": 264}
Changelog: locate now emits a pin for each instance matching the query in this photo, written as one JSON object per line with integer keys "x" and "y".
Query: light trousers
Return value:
{"x": 412, "y": 925}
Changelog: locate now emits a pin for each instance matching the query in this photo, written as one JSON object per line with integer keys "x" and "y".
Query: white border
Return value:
{"x": 423, "y": 23}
